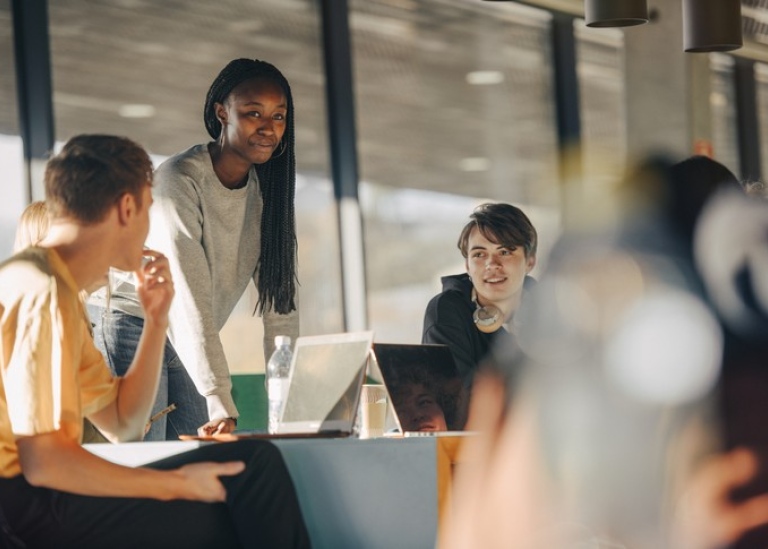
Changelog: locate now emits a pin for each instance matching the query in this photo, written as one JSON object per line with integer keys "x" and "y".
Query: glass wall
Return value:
{"x": 454, "y": 101}
{"x": 725, "y": 140}
{"x": 455, "y": 107}
{"x": 761, "y": 76}
{"x": 8, "y": 106}
{"x": 13, "y": 183}
{"x": 142, "y": 68}
{"x": 600, "y": 69}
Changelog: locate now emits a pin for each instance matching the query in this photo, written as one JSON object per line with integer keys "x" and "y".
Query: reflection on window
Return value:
{"x": 723, "y": 104}
{"x": 455, "y": 107}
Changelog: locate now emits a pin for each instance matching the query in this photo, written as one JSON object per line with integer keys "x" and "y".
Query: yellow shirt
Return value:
{"x": 51, "y": 374}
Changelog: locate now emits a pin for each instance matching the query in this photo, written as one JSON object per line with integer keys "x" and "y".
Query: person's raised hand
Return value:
{"x": 707, "y": 517}
{"x": 155, "y": 287}
{"x": 500, "y": 496}
{"x": 201, "y": 480}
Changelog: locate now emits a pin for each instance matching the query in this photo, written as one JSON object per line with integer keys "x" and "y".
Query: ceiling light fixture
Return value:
{"x": 136, "y": 110}
{"x": 615, "y": 13}
{"x": 708, "y": 25}
{"x": 711, "y": 25}
{"x": 485, "y": 78}
{"x": 475, "y": 164}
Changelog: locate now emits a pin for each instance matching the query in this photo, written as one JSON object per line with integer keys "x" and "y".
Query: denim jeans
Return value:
{"x": 116, "y": 335}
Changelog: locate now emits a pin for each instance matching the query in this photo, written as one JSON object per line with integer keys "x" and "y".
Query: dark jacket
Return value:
{"x": 448, "y": 321}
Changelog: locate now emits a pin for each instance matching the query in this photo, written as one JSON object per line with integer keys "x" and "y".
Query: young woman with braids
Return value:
{"x": 224, "y": 215}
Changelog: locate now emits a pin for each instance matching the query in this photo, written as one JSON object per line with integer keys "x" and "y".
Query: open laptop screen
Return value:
{"x": 424, "y": 386}
{"x": 327, "y": 374}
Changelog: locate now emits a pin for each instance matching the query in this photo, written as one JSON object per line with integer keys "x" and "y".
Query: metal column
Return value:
{"x": 343, "y": 136}
{"x": 566, "y": 84}
{"x": 33, "y": 75}
{"x": 747, "y": 117}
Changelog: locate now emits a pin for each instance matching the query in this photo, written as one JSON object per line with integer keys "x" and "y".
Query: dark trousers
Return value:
{"x": 261, "y": 509}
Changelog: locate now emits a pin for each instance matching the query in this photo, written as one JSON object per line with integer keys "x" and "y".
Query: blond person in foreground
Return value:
{"x": 53, "y": 493}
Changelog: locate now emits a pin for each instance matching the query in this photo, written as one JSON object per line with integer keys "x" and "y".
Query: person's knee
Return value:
{"x": 264, "y": 456}
{"x": 263, "y": 450}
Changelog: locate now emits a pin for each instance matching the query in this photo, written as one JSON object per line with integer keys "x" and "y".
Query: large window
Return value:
{"x": 8, "y": 106}
{"x": 13, "y": 181}
{"x": 761, "y": 76}
{"x": 600, "y": 68}
{"x": 142, "y": 69}
{"x": 725, "y": 138}
{"x": 455, "y": 107}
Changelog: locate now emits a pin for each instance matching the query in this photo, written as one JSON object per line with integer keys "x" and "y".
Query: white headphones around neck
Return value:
{"x": 487, "y": 319}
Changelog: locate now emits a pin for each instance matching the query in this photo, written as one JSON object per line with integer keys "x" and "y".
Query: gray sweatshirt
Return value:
{"x": 212, "y": 238}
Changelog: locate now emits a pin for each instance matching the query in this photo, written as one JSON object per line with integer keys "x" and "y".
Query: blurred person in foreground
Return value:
{"x": 731, "y": 253}
{"x": 476, "y": 310}
{"x": 53, "y": 492}
{"x": 614, "y": 438}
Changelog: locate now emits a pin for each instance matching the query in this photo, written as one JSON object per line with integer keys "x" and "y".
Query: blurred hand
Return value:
{"x": 217, "y": 427}
{"x": 202, "y": 479}
{"x": 155, "y": 287}
{"x": 498, "y": 498}
{"x": 707, "y": 517}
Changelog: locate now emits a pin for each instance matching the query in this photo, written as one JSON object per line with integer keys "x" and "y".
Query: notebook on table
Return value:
{"x": 426, "y": 392}
{"x": 327, "y": 375}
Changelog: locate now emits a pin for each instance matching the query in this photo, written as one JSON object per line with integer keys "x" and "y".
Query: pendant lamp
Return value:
{"x": 711, "y": 25}
{"x": 615, "y": 13}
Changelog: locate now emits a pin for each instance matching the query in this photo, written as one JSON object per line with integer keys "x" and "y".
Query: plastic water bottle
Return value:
{"x": 278, "y": 377}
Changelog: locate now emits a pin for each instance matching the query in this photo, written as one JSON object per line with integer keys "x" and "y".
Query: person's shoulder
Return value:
{"x": 31, "y": 260}
{"x": 29, "y": 271}
{"x": 447, "y": 298}
{"x": 456, "y": 288}
{"x": 454, "y": 297}
{"x": 191, "y": 163}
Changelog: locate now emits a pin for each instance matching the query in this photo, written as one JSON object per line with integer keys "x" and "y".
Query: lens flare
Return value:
{"x": 667, "y": 349}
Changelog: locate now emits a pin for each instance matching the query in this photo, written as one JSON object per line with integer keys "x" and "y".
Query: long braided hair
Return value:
{"x": 277, "y": 180}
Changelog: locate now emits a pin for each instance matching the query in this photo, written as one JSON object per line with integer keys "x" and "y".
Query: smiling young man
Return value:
{"x": 54, "y": 493}
{"x": 475, "y": 309}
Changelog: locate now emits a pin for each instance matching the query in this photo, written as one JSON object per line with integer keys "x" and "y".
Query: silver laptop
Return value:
{"x": 327, "y": 374}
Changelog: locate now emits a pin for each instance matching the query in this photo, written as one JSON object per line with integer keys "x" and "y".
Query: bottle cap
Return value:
{"x": 282, "y": 340}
